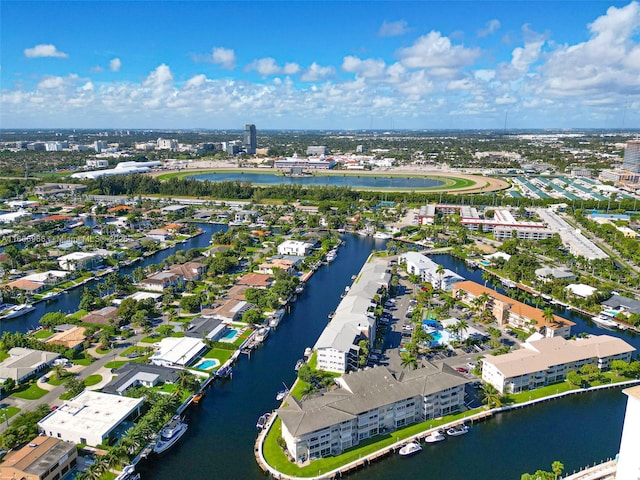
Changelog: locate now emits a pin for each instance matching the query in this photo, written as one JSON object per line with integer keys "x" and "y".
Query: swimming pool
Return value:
{"x": 440, "y": 337}
{"x": 230, "y": 335}
{"x": 207, "y": 364}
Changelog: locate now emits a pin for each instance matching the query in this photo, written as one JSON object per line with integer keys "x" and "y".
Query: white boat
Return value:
{"x": 170, "y": 434}
{"x": 17, "y": 311}
{"x": 410, "y": 448}
{"x": 299, "y": 364}
{"x": 308, "y": 352}
{"x": 331, "y": 256}
{"x": 382, "y": 236}
{"x": 275, "y": 319}
{"x": 281, "y": 394}
{"x": 604, "y": 321}
{"x": 262, "y": 421}
{"x": 262, "y": 334}
{"x": 457, "y": 430}
{"x": 434, "y": 437}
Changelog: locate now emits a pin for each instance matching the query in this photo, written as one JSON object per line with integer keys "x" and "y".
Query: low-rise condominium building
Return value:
{"x": 548, "y": 360}
{"x": 368, "y": 402}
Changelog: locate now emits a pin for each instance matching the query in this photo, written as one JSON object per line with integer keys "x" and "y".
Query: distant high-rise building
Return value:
{"x": 630, "y": 174}
{"x": 250, "y": 141}
{"x": 316, "y": 150}
{"x": 631, "y": 160}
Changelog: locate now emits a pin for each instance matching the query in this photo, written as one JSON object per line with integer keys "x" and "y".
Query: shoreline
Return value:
{"x": 481, "y": 184}
{"x": 365, "y": 460}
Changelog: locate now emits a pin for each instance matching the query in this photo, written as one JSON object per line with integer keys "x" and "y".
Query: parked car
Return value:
{"x": 462, "y": 370}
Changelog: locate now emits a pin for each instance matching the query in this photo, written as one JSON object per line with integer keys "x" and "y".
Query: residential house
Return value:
{"x": 24, "y": 363}
{"x": 202, "y": 327}
{"x": 159, "y": 234}
{"x": 71, "y": 338}
{"x": 103, "y": 316}
{"x": 42, "y": 458}
{"x": 548, "y": 360}
{"x": 139, "y": 374}
{"x": 268, "y": 267}
{"x": 79, "y": 261}
{"x": 190, "y": 271}
{"x": 161, "y": 280}
{"x": 90, "y": 418}
{"x": 295, "y": 247}
{"x": 255, "y": 280}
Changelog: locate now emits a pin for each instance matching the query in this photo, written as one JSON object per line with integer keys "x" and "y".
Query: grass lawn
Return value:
{"x": 40, "y": 334}
{"x": 115, "y": 364}
{"x": 29, "y": 391}
{"x": 102, "y": 351}
{"x": 85, "y": 362}
{"x": 275, "y": 456}
{"x": 54, "y": 380}
{"x": 10, "y": 411}
{"x": 92, "y": 380}
{"x": 218, "y": 353}
{"x": 151, "y": 339}
{"x": 3, "y": 355}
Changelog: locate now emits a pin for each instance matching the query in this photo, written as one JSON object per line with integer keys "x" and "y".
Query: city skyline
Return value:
{"x": 312, "y": 65}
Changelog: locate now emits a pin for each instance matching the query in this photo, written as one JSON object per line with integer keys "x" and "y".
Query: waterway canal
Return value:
{"x": 219, "y": 444}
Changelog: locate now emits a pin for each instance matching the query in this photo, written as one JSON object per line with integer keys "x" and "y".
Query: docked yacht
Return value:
{"x": 604, "y": 321}
{"x": 410, "y": 448}
{"x": 170, "y": 434}
{"x": 458, "y": 430}
{"x": 17, "y": 310}
{"x": 434, "y": 437}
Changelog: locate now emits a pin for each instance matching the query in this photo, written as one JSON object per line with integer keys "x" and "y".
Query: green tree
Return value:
{"x": 408, "y": 361}
{"x": 9, "y": 384}
{"x": 557, "y": 467}
{"x": 491, "y": 396}
{"x": 574, "y": 378}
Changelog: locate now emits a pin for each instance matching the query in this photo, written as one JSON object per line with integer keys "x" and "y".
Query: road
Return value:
{"x": 53, "y": 396}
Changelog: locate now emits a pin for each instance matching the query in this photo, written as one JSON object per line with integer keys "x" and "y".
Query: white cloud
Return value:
{"x": 224, "y": 57}
{"x": 267, "y": 66}
{"x": 44, "y": 50}
{"x": 365, "y": 68}
{"x": 115, "y": 64}
{"x": 393, "y": 29}
{"x": 435, "y": 51}
{"x": 316, "y": 73}
{"x": 51, "y": 82}
{"x": 491, "y": 27}
{"x": 608, "y": 62}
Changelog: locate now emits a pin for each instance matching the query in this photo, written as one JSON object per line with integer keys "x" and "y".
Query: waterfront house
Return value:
{"x": 229, "y": 311}
{"x": 43, "y": 458}
{"x": 509, "y": 312}
{"x": 79, "y": 261}
{"x": 427, "y": 270}
{"x": 103, "y": 316}
{"x": 255, "y": 280}
{"x": 26, "y": 286}
{"x": 71, "y": 337}
{"x": 353, "y": 320}
{"x": 24, "y": 363}
{"x": 90, "y": 418}
{"x": 176, "y": 351}
{"x": 190, "y": 271}
{"x": 204, "y": 327}
{"x": 295, "y": 247}
{"x": 139, "y": 374}
{"x": 368, "y": 403}
{"x": 159, "y": 234}
{"x": 548, "y": 360}
{"x": 276, "y": 263}
{"x": 161, "y": 280}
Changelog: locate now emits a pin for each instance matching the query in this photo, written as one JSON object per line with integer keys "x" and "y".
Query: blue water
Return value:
{"x": 230, "y": 335}
{"x": 351, "y": 180}
{"x": 207, "y": 364}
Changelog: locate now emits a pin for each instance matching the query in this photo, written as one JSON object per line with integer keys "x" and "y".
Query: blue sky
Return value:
{"x": 320, "y": 65}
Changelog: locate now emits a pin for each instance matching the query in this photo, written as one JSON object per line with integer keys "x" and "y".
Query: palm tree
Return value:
{"x": 59, "y": 371}
{"x": 409, "y": 361}
{"x": 440, "y": 273}
{"x": 462, "y": 326}
{"x": 548, "y": 315}
{"x": 490, "y": 396}
{"x": 557, "y": 468}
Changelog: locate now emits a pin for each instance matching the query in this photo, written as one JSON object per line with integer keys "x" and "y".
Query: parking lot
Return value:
{"x": 398, "y": 329}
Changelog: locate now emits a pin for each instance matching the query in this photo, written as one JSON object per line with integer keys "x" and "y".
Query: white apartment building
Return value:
{"x": 628, "y": 458}
{"x": 295, "y": 247}
{"x": 337, "y": 347}
{"x": 367, "y": 403}
{"x": 548, "y": 360}
{"x": 427, "y": 270}
{"x": 167, "y": 144}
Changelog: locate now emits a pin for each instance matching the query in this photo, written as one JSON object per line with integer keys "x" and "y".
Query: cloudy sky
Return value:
{"x": 320, "y": 65}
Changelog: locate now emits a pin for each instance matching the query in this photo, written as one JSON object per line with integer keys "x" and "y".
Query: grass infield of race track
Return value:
{"x": 449, "y": 182}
